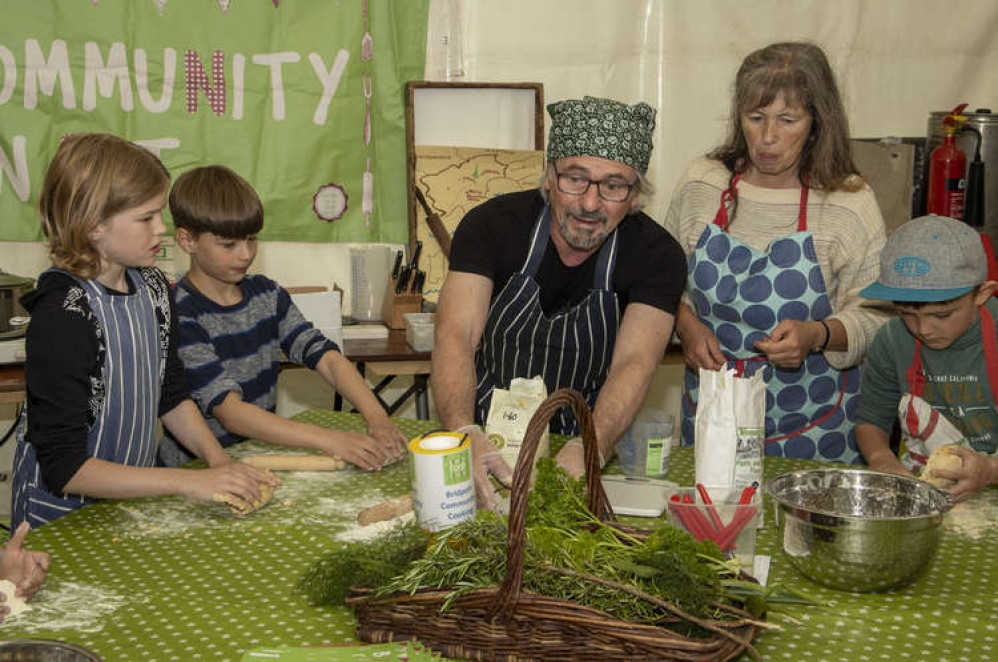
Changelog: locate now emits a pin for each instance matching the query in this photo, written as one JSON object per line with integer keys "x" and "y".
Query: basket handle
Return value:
{"x": 599, "y": 505}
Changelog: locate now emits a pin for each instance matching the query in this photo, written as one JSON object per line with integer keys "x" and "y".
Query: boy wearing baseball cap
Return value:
{"x": 926, "y": 366}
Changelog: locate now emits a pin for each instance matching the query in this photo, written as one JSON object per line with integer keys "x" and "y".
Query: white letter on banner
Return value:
{"x": 41, "y": 74}
{"x": 157, "y": 145}
{"x": 142, "y": 80}
{"x": 238, "y": 81}
{"x": 330, "y": 81}
{"x": 19, "y": 179}
{"x": 274, "y": 61}
{"x": 9, "y": 74}
{"x": 98, "y": 75}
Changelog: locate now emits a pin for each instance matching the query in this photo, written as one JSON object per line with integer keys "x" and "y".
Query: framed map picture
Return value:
{"x": 466, "y": 143}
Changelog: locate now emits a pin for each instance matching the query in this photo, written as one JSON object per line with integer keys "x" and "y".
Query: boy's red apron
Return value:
{"x": 923, "y": 427}
{"x": 741, "y": 294}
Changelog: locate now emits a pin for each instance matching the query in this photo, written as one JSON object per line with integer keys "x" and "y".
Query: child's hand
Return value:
{"x": 359, "y": 449}
{"x": 977, "y": 472}
{"x": 237, "y": 479}
{"x": 390, "y": 437}
{"x": 25, "y": 568}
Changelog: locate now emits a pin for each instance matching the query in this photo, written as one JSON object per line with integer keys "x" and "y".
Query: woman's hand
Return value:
{"x": 24, "y": 568}
{"x": 700, "y": 346}
{"x": 393, "y": 441}
{"x": 790, "y": 343}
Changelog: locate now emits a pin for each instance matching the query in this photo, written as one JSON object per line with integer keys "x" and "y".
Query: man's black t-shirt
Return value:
{"x": 493, "y": 240}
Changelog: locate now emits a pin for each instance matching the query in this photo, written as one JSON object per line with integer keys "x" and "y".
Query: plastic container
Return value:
{"x": 419, "y": 331}
{"x": 735, "y": 536}
{"x": 644, "y": 449}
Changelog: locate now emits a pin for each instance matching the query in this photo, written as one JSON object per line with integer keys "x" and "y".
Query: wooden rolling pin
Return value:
{"x": 437, "y": 226}
{"x": 385, "y": 510}
{"x": 299, "y": 462}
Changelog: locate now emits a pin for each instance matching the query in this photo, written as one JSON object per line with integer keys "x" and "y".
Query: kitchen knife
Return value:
{"x": 417, "y": 282}
{"x": 403, "y": 280}
{"x": 398, "y": 265}
{"x": 414, "y": 264}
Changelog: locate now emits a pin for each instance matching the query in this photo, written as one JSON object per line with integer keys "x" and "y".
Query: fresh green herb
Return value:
{"x": 365, "y": 564}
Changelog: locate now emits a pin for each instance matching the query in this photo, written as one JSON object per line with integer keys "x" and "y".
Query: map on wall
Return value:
{"x": 456, "y": 179}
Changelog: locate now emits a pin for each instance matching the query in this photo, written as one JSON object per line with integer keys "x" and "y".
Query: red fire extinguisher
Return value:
{"x": 948, "y": 171}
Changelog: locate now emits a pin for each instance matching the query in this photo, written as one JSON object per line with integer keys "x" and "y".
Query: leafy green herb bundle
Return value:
{"x": 569, "y": 554}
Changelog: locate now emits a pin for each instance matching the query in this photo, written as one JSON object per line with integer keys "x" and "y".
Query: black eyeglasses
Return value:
{"x": 611, "y": 190}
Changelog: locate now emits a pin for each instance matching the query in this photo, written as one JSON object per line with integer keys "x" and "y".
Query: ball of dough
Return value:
{"x": 241, "y": 507}
{"x": 944, "y": 459}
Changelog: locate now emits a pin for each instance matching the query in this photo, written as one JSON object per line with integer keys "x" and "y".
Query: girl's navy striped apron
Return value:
{"x": 572, "y": 348}
{"x": 124, "y": 426}
{"x": 741, "y": 294}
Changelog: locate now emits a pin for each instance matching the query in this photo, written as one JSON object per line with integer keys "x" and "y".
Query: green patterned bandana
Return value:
{"x": 602, "y": 127}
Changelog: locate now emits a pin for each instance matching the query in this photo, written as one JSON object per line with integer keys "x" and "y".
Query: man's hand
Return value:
{"x": 26, "y": 569}
{"x": 572, "y": 458}
{"x": 485, "y": 461}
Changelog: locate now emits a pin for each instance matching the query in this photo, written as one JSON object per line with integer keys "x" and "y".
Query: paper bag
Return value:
{"x": 729, "y": 430}
{"x": 509, "y": 415}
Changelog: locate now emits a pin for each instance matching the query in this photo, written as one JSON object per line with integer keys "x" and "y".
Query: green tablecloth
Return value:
{"x": 168, "y": 579}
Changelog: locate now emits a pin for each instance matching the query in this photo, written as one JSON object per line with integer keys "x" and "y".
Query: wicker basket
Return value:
{"x": 506, "y": 624}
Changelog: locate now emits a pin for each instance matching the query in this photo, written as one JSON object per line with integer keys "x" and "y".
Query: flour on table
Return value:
{"x": 358, "y": 532}
{"x": 69, "y": 606}
{"x": 10, "y": 600}
{"x": 974, "y": 517}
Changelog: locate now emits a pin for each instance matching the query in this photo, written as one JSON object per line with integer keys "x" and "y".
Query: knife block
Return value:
{"x": 395, "y": 305}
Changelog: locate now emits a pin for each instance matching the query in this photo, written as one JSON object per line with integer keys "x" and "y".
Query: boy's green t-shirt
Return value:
{"x": 956, "y": 382}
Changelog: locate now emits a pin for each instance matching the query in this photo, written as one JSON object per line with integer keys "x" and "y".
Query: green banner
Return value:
{"x": 304, "y": 98}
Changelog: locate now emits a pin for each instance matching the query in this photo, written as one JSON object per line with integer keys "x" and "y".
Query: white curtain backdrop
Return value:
{"x": 896, "y": 60}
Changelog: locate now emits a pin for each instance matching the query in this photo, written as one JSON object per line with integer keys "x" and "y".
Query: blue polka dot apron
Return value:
{"x": 571, "y": 349}
{"x": 741, "y": 294}
{"x": 917, "y": 431}
{"x": 124, "y": 426}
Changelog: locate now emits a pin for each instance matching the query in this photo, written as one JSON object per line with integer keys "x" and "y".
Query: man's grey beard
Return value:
{"x": 582, "y": 242}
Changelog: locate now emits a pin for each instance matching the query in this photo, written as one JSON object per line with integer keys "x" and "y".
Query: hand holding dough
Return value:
{"x": 943, "y": 458}
{"x": 14, "y": 604}
{"x": 242, "y": 507}
{"x": 296, "y": 462}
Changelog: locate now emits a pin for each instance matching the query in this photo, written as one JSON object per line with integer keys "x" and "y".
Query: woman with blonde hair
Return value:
{"x": 781, "y": 231}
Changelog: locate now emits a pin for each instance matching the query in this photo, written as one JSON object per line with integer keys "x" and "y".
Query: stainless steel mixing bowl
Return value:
{"x": 858, "y": 530}
{"x": 44, "y": 650}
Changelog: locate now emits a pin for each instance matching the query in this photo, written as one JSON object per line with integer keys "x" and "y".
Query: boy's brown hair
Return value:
{"x": 215, "y": 199}
{"x": 92, "y": 177}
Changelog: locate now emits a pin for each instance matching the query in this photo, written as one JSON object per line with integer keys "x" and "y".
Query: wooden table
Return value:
{"x": 390, "y": 357}
{"x": 12, "y": 387}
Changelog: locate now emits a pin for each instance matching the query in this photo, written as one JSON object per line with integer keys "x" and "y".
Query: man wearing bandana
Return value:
{"x": 570, "y": 281}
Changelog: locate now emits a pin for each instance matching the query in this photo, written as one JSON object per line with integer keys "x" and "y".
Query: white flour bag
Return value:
{"x": 509, "y": 415}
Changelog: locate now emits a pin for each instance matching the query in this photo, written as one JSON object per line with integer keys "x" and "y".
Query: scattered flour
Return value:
{"x": 358, "y": 532}
{"x": 974, "y": 517}
{"x": 69, "y": 606}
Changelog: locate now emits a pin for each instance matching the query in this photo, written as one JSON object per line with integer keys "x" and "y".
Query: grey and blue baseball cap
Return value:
{"x": 930, "y": 258}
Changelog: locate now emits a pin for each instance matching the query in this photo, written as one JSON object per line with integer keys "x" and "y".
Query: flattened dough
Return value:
{"x": 240, "y": 507}
{"x": 16, "y": 604}
{"x": 298, "y": 462}
{"x": 942, "y": 458}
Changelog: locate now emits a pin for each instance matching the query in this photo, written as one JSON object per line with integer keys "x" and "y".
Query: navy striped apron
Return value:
{"x": 125, "y": 412}
{"x": 571, "y": 349}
